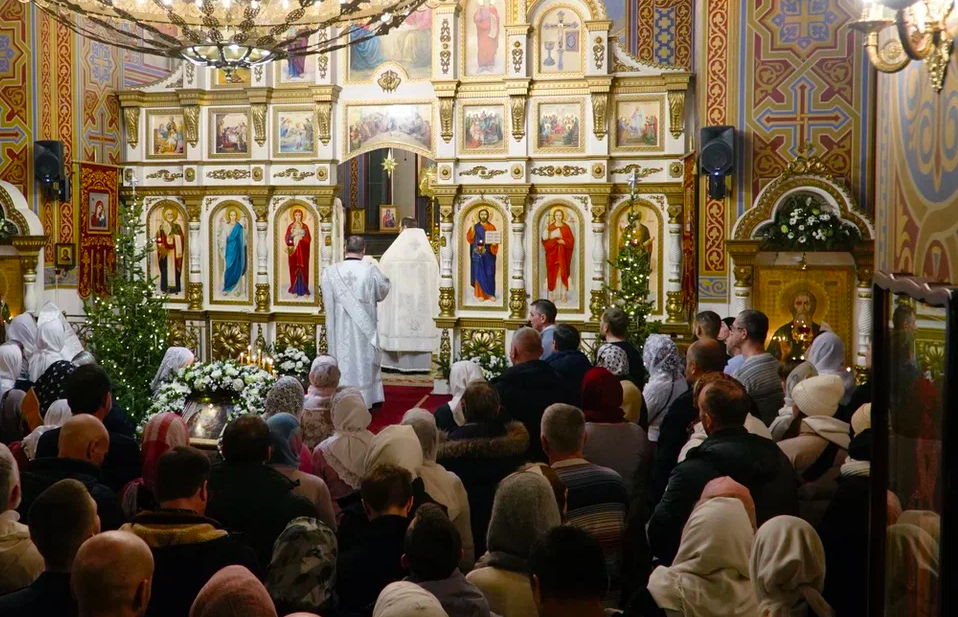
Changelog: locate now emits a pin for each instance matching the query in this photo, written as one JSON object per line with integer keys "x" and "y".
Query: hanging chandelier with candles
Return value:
{"x": 899, "y": 31}
{"x": 229, "y": 34}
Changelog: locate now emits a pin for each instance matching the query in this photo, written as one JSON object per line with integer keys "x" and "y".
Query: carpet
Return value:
{"x": 399, "y": 400}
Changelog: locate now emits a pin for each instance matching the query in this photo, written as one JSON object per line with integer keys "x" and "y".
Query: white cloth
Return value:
{"x": 346, "y": 450}
{"x": 912, "y": 566}
{"x": 406, "y": 315}
{"x": 352, "y": 290}
{"x": 666, "y": 379}
{"x": 56, "y": 416}
{"x": 709, "y": 576}
{"x": 174, "y": 359}
{"x": 787, "y": 569}
{"x": 396, "y": 445}
{"x": 23, "y": 329}
{"x": 827, "y": 354}
{"x": 461, "y": 374}
{"x": 71, "y": 342}
{"x": 831, "y": 429}
{"x": 11, "y": 359}
{"x": 49, "y": 348}
{"x": 404, "y": 599}
{"x": 752, "y": 424}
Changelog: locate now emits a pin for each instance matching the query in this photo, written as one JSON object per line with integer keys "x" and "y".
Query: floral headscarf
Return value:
{"x": 286, "y": 396}
{"x": 174, "y": 359}
{"x": 324, "y": 375}
{"x": 614, "y": 359}
{"x": 52, "y": 385}
{"x": 661, "y": 358}
{"x": 302, "y": 571}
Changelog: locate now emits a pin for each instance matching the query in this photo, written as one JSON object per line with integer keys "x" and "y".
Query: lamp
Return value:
{"x": 924, "y": 30}
{"x": 228, "y": 34}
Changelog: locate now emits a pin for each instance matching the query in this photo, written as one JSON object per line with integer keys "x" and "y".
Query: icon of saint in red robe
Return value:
{"x": 297, "y": 246}
{"x": 487, "y": 36}
{"x": 559, "y": 244}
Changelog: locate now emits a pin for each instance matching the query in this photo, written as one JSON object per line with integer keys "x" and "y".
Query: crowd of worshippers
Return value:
{"x": 643, "y": 483}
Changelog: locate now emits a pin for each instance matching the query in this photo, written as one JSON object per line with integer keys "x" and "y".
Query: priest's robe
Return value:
{"x": 352, "y": 290}
{"x": 406, "y": 328}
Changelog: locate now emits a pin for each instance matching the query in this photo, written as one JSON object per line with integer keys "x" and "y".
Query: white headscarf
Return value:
{"x": 666, "y": 379}
{"x": 786, "y": 414}
{"x": 461, "y": 374}
{"x": 396, "y": 445}
{"x": 788, "y": 569}
{"x": 174, "y": 359}
{"x": 49, "y": 348}
{"x": 23, "y": 329}
{"x": 405, "y": 599}
{"x": 709, "y": 576}
{"x": 912, "y": 565}
{"x": 439, "y": 483}
{"x": 11, "y": 359}
{"x": 827, "y": 353}
{"x": 346, "y": 450}
{"x": 56, "y": 416}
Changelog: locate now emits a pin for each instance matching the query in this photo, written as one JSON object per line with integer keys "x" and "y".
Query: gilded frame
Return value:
{"x": 275, "y": 135}
{"x": 637, "y": 98}
{"x": 250, "y": 266}
{"x": 536, "y": 39}
{"x": 503, "y": 305}
{"x": 536, "y": 222}
{"x": 503, "y": 19}
{"x": 461, "y": 123}
{"x": 561, "y": 149}
{"x": 660, "y": 256}
{"x": 314, "y": 252}
{"x": 211, "y": 126}
{"x": 184, "y": 277}
{"x": 361, "y": 219}
{"x": 433, "y": 133}
{"x": 153, "y": 113}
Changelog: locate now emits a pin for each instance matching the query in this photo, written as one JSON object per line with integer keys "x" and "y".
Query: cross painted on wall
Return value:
{"x": 567, "y": 39}
{"x": 99, "y": 138}
{"x": 803, "y": 119}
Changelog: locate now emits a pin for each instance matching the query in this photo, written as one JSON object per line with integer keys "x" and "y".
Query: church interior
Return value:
{"x": 795, "y": 157}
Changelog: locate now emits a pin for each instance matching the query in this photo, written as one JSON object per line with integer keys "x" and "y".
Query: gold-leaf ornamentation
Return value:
{"x": 191, "y": 121}
{"x": 257, "y": 174}
{"x": 321, "y": 173}
{"x": 298, "y": 335}
{"x": 228, "y": 174}
{"x": 194, "y": 296}
{"x": 165, "y": 175}
{"x": 190, "y": 174}
{"x": 389, "y": 81}
{"x": 517, "y": 171}
{"x": 294, "y": 174}
{"x": 676, "y": 170}
{"x": 676, "y": 112}
{"x": 262, "y": 297}
{"x": 483, "y": 172}
{"x": 445, "y": 37}
{"x": 229, "y": 339}
{"x": 598, "y": 170}
{"x": 517, "y": 57}
{"x": 600, "y": 104}
{"x": 566, "y": 171}
{"x": 259, "y": 122}
{"x": 518, "y": 107}
{"x": 445, "y": 118}
{"x": 598, "y": 53}
{"x": 132, "y": 117}
{"x": 323, "y": 60}
{"x": 640, "y": 172}
{"x": 323, "y": 114}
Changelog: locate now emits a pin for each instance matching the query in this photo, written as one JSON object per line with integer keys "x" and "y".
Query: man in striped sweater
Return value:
{"x": 759, "y": 372}
{"x": 597, "y": 500}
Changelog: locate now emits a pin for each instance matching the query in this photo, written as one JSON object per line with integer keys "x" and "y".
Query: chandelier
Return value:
{"x": 924, "y": 30}
{"x": 229, "y": 34}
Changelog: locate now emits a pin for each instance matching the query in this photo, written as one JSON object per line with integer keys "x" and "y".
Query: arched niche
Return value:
{"x": 555, "y": 22}
{"x": 22, "y": 279}
{"x": 589, "y": 9}
{"x": 549, "y": 262}
{"x": 167, "y": 224}
{"x": 651, "y": 215}
{"x": 230, "y": 281}
{"x": 474, "y": 292}
{"x": 290, "y": 255}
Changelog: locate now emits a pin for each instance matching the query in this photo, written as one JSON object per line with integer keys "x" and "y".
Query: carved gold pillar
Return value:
{"x": 29, "y": 248}
{"x": 673, "y": 286}
{"x": 194, "y": 288}
{"x": 447, "y": 299}
{"x": 191, "y": 122}
{"x": 597, "y": 303}
{"x": 132, "y": 117}
{"x": 324, "y": 97}
{"x": 261, "y": 208}
{"x": 517, "y": 282}
{"x": 517, "y": 105}
{"x": 258, "y": 113}
{"x": 676, "y": 112}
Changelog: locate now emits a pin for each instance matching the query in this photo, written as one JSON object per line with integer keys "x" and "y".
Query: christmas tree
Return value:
{"x": 633, "y": 266}
{"x": 126, "y": 330}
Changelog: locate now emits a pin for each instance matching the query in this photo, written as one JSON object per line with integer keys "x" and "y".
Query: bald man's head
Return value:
{"x": 85, "y": 438}
{"x": 526, "y": 346}
{"x": 706, "y": 355}
{"x": 112, "y": 575}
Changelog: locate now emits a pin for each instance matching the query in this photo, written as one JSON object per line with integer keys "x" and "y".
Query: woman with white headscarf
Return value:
{"x": 10, "y": 360}
{"x": 666, "y": 379}
{"x": 56, "y": 416}
{"x": 404, "y": 599}
{"x": 787, "y": 569}
{"x": 709, "y": 576}
{"x": 443, "y": 486}
{"x": 461, "y": 374}
{"x": 340, "y": 460}
{"x": 23, "y": 331}
{"x": 50, "y": 342}
{"x": 174, "y": 359}
{"x": 827, "y": 354}
{"x": 786, "y": 415}
{"x": 912, "y": 563}
{"x": 317, "y": 423}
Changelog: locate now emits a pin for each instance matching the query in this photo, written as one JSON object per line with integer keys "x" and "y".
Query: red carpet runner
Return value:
{"x": 399, "y": 400}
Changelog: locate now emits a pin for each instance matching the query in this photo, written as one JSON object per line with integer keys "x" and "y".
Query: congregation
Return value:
{"x": 645, "y": 482}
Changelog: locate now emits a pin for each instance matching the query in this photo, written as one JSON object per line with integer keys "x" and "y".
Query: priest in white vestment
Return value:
{"x": 352, "y": 290}
{"x": 407, "y": 331}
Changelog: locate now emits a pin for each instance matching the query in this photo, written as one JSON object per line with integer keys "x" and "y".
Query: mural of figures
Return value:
{"x": 295, "y": 266}
{"x": 560, "y": 42}
{"x": 483, "y": 127}
{"x": 229, "y": 133}
{"x": 294, "y": 133}
{"x": 558, "y": 255}
{"x": 166, "y": 134}
{"x": 639, "y": 124}
{"x": 297, "y": 69}
{"x": 648, "y": 231}
{"x": 230, "y": 233}
{"x": 483, "y": 261}
{"x": 409, "y": 46}
{"x": 485, "y": 38}
{"x": 371, "y": 126}
{"x": 167, "y": 225}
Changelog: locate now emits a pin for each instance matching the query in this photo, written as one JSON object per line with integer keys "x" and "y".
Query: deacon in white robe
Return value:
{"x": 407, "y": 331}
{"x": 352, "y": 290}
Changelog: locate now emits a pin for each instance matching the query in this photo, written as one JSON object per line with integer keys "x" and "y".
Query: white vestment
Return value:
{"x": 406, "y": 328}
{"x": 351, "y": 291}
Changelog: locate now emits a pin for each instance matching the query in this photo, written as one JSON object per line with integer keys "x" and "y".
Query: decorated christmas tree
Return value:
{"x": 127, "y": 329}
{"x": 632, "y": 267}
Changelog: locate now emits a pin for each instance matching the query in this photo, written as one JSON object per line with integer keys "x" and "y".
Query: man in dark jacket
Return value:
{"x": 706, "y": 355}
{"x": 252, "y": 500}
{"x": 730, "y": 450}
{"x": 529, "y": 386}
{"x": 367, "y": 564}
{"x": 482, "y": 452}
{"x": 88, "y": 392}
{"x": 62, "y": 518}
{"x": 188, "y": 548}
{"x": 567, "y": 361}
{"x": 83, "y": 445}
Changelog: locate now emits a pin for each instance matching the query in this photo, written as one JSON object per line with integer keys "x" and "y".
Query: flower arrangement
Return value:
{"x": 492, "y": 361}
{"x": 245, "y": 384}
{"x": 804, "y": 223}
{"x": 294, "y": 362}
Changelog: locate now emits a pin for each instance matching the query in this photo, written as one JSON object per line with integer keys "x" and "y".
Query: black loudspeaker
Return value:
{"x": 718, "y": 157}
{"x": 48, "y": 161}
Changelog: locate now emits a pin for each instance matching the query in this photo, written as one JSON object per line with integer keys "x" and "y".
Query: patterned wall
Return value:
{"x": 786, "y": 73}
{"x": 57, "y": 85}
{"x": 916, "y": 193}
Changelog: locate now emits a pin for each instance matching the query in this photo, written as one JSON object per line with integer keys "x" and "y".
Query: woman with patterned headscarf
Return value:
{"x": 174, "y": 359}
{"x": 666, "y": 379}
{"x": 315, "y": 420}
